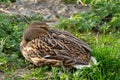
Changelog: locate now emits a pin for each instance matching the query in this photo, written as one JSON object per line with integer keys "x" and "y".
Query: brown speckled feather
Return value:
{"x": 43, "y": 46}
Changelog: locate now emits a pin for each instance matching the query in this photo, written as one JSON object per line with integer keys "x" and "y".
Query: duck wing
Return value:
{"x": 41, "y": 53}
{"x": 76, "y": 48}
{"x": 71, "y": 37}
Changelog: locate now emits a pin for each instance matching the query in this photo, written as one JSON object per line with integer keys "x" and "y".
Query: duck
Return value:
{"x": 42, "y": 45}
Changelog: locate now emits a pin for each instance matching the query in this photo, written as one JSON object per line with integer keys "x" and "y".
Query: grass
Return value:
{"x": 106, "y": 49}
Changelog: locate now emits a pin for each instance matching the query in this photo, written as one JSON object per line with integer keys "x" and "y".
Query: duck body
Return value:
{"x": 44, "y": 46}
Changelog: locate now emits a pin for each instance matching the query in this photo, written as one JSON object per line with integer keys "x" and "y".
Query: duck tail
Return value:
{"x": 93, "y": 59}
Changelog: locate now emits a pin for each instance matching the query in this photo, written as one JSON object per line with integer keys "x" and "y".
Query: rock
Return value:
{"x": 49, "y": 9}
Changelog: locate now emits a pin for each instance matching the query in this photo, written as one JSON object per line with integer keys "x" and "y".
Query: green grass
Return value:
{"x": 103, "y": 15}
{"x": 8, "y": 1}
{"x": 106, "y": 49}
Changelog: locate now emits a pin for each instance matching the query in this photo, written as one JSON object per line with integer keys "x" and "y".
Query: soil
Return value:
{"x": 52, "y": 10}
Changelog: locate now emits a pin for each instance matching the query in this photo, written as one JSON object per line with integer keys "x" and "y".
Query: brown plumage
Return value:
{"x": 44, "y": 46}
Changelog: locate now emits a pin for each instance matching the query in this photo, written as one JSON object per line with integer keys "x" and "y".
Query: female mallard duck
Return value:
{"x": 44, "y": 46}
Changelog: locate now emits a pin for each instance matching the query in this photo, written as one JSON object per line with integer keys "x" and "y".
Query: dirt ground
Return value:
{"x": 49, "y": 9}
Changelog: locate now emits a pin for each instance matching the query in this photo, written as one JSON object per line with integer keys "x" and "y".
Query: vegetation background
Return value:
{"x": 99, "y": 27}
